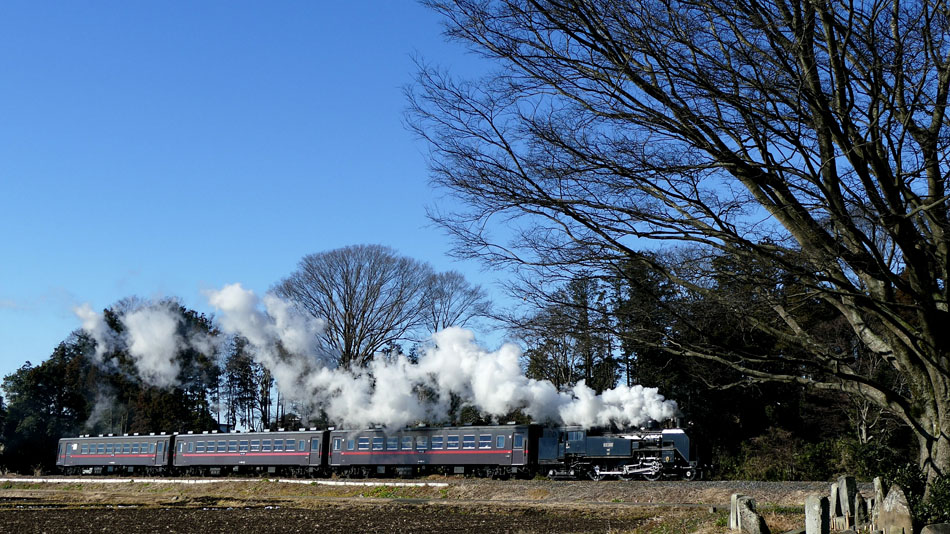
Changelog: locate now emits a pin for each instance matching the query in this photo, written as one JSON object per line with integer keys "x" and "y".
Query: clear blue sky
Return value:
{"x": 162, "y": 148}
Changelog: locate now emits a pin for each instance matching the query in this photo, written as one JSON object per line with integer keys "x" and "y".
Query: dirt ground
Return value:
{"x": 462, "y": 505}
{"x": 384, "y": 518}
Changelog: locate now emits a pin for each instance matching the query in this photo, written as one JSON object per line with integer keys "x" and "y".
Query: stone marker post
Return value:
{"x": 817, "y": 515}
{"x": 847, "y": 492}
{"x": 895, "y": 517}
{"x": 734, "y": 511}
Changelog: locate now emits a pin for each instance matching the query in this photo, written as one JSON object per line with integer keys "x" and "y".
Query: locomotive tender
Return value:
{"x": 498, "y": 451}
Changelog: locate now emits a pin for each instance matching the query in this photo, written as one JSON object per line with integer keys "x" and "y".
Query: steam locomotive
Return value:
{"x": 497, "y": 451}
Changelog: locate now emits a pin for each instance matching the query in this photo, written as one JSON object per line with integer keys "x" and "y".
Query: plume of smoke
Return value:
{"x": 153, "y": 341}
{"x": 284, "y": 341}
{"x": 102, "y": 413}
{"x": 95, "y": 326}
{"x": 390, "y": 391}
{"x": 395, "y": 392}
{"x": 152, "y": 336}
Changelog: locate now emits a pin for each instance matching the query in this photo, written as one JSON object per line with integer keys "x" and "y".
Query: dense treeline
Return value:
{"x": 612, "y": 327}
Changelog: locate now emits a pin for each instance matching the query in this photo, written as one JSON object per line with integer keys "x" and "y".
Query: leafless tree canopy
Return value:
{"x": 368, "y": 295}
{"x": 807, "y": 135}
{"x": 372, "y": 298}
{"x": 451, "y": 300}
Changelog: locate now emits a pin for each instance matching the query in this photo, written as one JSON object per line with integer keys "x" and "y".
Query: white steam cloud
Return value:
{"x": 391, "y": 391}
{"x": 152, "y": 336}
{"x": 395, "y": 392}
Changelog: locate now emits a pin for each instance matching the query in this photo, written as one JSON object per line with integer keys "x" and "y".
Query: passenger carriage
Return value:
{"x": 126, "y": 454}
{"x": 299, "y": 453}
{"x": 497, "y": 451}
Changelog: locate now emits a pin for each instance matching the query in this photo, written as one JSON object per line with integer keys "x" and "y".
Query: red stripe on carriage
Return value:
{"x": 206, "y": 454}
{"x": 370, "y": 453}
{"x": 113, "y": 455}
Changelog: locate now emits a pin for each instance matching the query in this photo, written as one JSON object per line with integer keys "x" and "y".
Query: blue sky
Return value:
{"x": 164, "y": 148}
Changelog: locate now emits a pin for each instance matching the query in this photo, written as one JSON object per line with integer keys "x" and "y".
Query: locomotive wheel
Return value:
{"x": 594, "y": 475}
{"x": 657, "y": 472}
{"x": 690, "y": 474}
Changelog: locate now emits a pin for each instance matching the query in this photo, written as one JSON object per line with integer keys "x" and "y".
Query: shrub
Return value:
{"x": 935, "y": 508}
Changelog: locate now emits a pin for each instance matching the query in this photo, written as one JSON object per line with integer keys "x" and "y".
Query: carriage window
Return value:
{"x": 232, "y": 445}
{"x": 135, "y": 448}
{"x": 337, "y": 443}
{"x": 222, "y": 446}
{"x": 437, "y": 442}
{"x": 191, "y": 446}
{"x": 278, "y": 445}
{"x": 350, "y": 444}
{"x": 85, "y": 449}
{"x": 144, "y": 448}
{"x": 363, "y": 444}
{"x": 484, "y": 441}
{"x": 302, "y": 445}
{"x": 421, "y": 442}
{"x": 519, "y": 441}
{"x": 407, "y": 443}
{"x": 499, "y": 442}
{"x": 126, "y": 448}
{"x": 265, "y": 445}
{"x": 392, "y": 443}
{"x": 161, "y": 446}
{"x": 377, "y": 444}
{"x": 452, "y": 442}
{"x": 200, "y": 447}
{"x": 242, "y": 445}
{"x": 575, "y": 435}
{"x": 289, "y": 445}
{"x": 151, "y": 448}
{"x": 468, "y": 442}
{"x": 255, "y": 445}
{"x": 181, "y": 446}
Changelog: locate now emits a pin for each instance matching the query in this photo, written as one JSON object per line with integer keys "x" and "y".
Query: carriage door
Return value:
{"x": 160, "y": 454}
{"x": 315, "y": 450}
{"x": 517, "y": 449}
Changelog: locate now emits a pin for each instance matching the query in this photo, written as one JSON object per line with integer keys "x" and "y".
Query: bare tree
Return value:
{"x": 451, "y": 300}
{"x": 807, "y": 135}
{"x": 369, "y": 296}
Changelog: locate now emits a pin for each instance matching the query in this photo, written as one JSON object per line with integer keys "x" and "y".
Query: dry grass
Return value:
{"x": 622, "y": 504}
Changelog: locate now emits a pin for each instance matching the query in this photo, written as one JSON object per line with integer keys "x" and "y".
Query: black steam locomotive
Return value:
{"x": 498, "y": 451}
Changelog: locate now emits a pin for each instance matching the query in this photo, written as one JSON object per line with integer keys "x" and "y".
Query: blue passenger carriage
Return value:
{"x": 298, "y": 453}
{"x": 498, "y": 451}
{"x": 127, "y": 454}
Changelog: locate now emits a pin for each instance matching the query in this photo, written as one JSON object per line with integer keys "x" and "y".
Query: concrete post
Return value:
{"x": 817, "y": 516}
